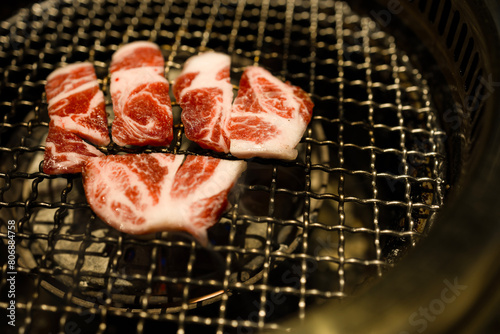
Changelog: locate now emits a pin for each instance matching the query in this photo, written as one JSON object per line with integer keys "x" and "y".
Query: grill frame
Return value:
{"x": 260, "y": 323}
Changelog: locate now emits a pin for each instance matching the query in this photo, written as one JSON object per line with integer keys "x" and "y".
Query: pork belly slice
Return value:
{"x": 65, "y": 152}
{"x": 205, "y": 94}
{"x": 145, "y": 193}
{"x": 76, "y": 104}
{"x": 268, "y": 117}
{"x": 140, "y": 95}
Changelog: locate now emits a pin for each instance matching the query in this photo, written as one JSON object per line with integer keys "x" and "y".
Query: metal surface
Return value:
{"x": 367, "y": 186}
{"x": 449, "y": 284}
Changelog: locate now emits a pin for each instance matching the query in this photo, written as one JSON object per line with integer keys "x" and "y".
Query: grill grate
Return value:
{"x": 366, "y": 186}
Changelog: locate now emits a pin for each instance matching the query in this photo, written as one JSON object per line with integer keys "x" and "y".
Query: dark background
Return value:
{"x": 10, "y": 7}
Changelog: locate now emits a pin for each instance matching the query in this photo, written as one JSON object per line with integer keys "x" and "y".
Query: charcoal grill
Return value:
{"x": 391, "y": 193}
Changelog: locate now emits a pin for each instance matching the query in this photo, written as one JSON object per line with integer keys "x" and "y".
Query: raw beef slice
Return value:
{"x": 140, "y": 94}
{"x": 65, "y": 152}
{"x": 77, "y": 113}
{"x": 268, "y": 117}
{"x": 145, "y": 193}
{"x": 205, "y": 94}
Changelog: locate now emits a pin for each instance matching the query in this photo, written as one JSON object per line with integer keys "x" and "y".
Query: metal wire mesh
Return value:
{"x": 366, "y": 186}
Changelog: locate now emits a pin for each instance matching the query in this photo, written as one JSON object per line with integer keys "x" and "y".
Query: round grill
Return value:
{"x": 368, "y": 182}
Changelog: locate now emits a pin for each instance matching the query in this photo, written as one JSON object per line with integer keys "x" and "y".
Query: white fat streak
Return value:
{"x": 68, "y": 69}
{"x": 291, "y": 129}
{"x": 255, "y": 72}
{"x": 130, "y": 79}
{"x": 208, "y": 65}
{"x": 73, "y": 158}
{"x": 97, "y": 99}
{"x": 89, "y": 148}
{"x": 281, "y": 146}
{"x": 68, "y": 93}
{"x": 224, "y": 176}
{"x": 210, "y": 62}
{"x": 129, "y": 48}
